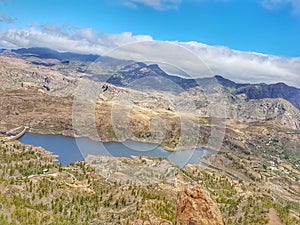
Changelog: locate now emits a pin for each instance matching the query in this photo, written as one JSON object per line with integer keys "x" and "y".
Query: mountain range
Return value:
{"x": 246, "y": 102}
{"x": 254, "y": 128}
{"x": 136, "y": 71}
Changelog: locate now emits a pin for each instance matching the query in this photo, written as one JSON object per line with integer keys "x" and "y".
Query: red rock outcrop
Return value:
{"x": 195, "y": 207}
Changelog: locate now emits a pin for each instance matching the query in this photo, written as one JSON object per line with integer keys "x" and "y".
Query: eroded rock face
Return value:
{"x": 195, "y": 207}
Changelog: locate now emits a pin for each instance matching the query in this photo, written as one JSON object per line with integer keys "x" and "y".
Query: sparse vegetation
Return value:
{"x": 76, "y": 194}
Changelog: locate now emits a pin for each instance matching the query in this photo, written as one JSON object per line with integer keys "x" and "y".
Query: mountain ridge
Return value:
{"x": 138, "y": 75}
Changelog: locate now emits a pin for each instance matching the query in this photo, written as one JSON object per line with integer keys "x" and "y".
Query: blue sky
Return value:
{"x": 265, "y": 26}
{"x": 243, "y": 40}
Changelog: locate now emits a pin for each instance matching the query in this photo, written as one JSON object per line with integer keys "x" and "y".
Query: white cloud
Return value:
{"x": 248, "y": 66}
{"x": 82, "y": 40}
{"x": 236, "y": 65}
{"x": 156, "y": 4}
{"x": 6, "y": 18}
{"x": 174, "y": 4}
{"x": 163, "y": 4}
{"x": 279, "y": 4}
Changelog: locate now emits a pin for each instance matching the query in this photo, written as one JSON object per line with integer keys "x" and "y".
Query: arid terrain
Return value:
{"x": 254, "y": 178}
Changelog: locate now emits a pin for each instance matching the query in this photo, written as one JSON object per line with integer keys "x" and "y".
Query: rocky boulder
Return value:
{"x": 195, "y": 207}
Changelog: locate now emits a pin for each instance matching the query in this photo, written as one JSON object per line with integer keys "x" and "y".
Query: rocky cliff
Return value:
{"x": 195, "y": 207}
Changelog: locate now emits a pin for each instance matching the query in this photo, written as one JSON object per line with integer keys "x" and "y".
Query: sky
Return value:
{"x": 245, "y": 40}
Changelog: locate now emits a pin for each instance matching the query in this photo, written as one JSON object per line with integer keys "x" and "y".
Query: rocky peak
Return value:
{"x": 279, "y": 90}
{"x": 195, "y": 207}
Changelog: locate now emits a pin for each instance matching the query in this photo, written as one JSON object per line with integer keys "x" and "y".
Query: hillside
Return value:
{"x": 254, "y": 128}
{"x": 124, "y": 73}
{"x": 187, "y": 95}
{"x": 36, "y": 190}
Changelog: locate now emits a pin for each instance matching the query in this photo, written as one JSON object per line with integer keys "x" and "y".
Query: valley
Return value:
{"x": 254, "y": 175}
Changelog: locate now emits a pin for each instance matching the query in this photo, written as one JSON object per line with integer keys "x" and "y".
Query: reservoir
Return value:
{"x": 71, "y": 149}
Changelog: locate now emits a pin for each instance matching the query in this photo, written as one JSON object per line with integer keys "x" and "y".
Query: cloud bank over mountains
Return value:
{"x": 236, "y": 65}
{"x": 81, "y": 40}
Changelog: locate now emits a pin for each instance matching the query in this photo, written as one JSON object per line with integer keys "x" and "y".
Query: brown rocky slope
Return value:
{"x": 195, "y": 207}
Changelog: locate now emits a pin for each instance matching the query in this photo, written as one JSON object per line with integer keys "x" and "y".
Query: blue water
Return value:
{"x": 70, "y": 149}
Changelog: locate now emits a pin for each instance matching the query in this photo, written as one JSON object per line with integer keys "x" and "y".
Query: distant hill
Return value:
{"x": 138, "y": 75}
{"x": 46, "y": 53}
{"x": 279, "y": 90}
{"x": 141, "y": 76}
